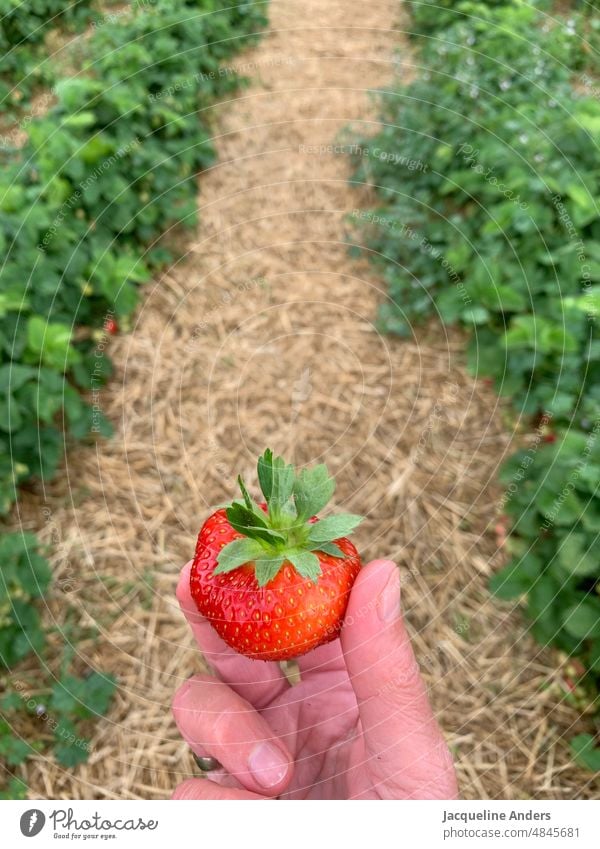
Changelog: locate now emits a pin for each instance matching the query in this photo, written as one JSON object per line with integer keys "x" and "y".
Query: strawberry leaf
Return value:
{"x": 312, "y": 491}
{"x": 305, "y": 563}
{"x": 333, "y": 527}
{"x": 237, "y": 553}
{"x": 283, "y": 484}
{"x": 265, "y": 473}
{"x": 267, "y": 568}
{"x": 251, "y": 505}
{"x": 247, "y": 500}
{"x": 328, "y": 548}
{"x": 250, "y": 524}
{"x": 276, "y": 479}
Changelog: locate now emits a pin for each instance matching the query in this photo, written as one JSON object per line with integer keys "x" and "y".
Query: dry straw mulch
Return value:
{"x": 263, "y": 335}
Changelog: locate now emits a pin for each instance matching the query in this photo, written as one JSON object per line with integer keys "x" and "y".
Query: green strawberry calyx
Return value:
{"x": 284, "y": 533}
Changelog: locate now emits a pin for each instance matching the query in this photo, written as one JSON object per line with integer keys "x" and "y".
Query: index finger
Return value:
{"x": 257, "y": 681}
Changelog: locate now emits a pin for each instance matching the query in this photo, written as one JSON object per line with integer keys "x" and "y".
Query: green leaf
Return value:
{"x": 594, "y": 656}
{"x": 583, "y": 620}
{"x": 52, "y": 342}
{"x": 13, "y": 750}
{"x": 577, "y": 557}
{"x": 313, "y": 489}
{"x": 305, "y": 563}
{"x": 276, "y": 480}
{"x": 37, "y": 577}
{"x": 282, "y": 484}
{"x": 333, "y": 527}
{"x": 95, "y": 149}
{"x": 10, "y": 417}
{"x": 82, "y": 697}
{"x": 122, "y": 294}
{"x": 265, "y": 473}
{"x": 521, "y": 333}
{"x": 14, "y": 375}
{"x": 10, "y": 701}
{"x": 242, "y": 518}
{"x": 516, "y": 578}
{"x": 98, "y": 691}
{"x": 69, "y": 749}
{"x": 247, "y": 500}
{"x": 83, "y": 119}
{"x": 584, "y": 207}
{"x": 585, "y": 752}
{"x": 553, "y": 337}
{"x": 508, "y": 300}
{"x": 475, "y": 315}
{"x": 590, "y": 515}
{"x": 267, "y": 568}
{"x": 250, "y": 524}
{"x": 36, "y": 329}
{"x": 449, "y": 305}
{"x": 250, "y": 504}
{"x": 328, "y": 548}
{"x": 237, "y": 553}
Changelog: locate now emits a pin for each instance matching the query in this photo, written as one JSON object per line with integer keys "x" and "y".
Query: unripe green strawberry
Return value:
{"x": 273, "y": 579}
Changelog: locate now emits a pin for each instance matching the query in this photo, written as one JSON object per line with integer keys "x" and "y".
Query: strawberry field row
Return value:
{"x": 111, "y": 166}
{"x": 487, "y": 172}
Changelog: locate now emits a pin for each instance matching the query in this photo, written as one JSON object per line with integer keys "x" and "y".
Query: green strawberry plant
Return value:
{"x": 555, "y": 513}
{"x": 103, "y": 173}
{"x": 108, "y": 169}
{"x": 23, "y": 29}
{"x": 73, "y": 701}
{"x": 14, "y": 750}
{"x": 62, "y": 715}
{"x": 497, "y": 230}
{"x": 24, "y": 577}
{"x": 433, "y": 19}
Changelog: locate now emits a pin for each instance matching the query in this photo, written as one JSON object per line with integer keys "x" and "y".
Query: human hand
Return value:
{"x": 357, "y": 726}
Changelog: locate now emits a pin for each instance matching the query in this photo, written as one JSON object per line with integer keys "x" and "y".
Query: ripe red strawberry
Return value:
{"x": 111, "y": 326}
{"x": 270, "y": 578}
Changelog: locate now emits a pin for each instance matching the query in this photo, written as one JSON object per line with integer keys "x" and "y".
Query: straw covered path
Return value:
{"x": 262, "y": 335}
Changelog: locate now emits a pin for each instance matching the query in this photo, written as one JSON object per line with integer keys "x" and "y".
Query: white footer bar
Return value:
{"x": 296, "y": 825}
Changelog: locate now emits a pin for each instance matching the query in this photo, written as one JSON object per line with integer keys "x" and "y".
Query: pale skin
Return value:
{"x": 358, "y": 725}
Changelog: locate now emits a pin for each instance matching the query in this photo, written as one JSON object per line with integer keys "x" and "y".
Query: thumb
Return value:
{"x": 404, "y": 747}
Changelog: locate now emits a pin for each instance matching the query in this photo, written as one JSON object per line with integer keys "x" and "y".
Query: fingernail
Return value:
{"x": 388, "y": 605}
{"x": 268, "y": 765}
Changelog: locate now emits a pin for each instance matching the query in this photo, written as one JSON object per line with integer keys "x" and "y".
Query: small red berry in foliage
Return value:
{"x": 273, "y": 579}
{"x": 549, "y": 437}
{"x": 501, "y": 529}
{"x": 500, "y": 535}
{"x": 111, "y": 326}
